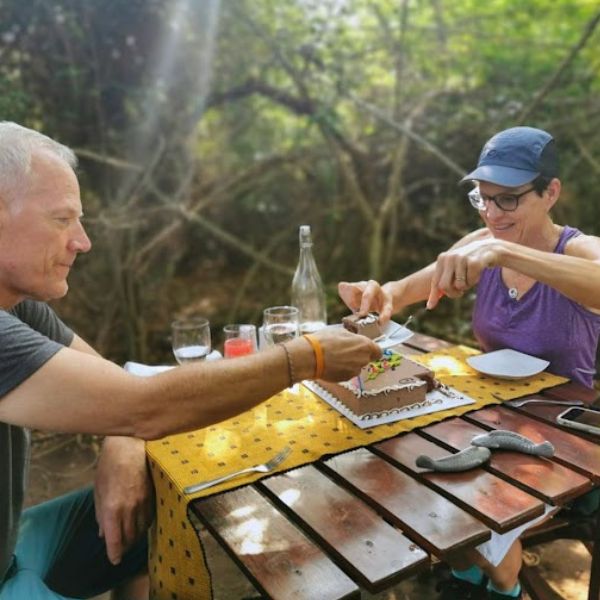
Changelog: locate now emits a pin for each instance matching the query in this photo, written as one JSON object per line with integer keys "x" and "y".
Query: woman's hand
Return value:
{"x": 459, "y": 269}
{"x": 363, "y": 297}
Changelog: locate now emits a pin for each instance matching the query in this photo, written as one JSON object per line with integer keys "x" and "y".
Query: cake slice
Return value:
{"x": 390, "y": 383}
{"x": 367, "y": 325}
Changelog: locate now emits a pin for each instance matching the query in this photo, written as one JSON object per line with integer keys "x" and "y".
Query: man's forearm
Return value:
{"x": 218, "y": 394}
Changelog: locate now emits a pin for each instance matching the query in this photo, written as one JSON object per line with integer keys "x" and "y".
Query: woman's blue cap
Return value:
{"x": 516, "y": 156}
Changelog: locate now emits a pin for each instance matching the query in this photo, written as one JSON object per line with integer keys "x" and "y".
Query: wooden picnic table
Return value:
{"x": 369, "y": 518}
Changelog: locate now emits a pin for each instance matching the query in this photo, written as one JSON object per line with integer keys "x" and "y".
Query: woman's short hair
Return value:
{"x": 540, "y": 184}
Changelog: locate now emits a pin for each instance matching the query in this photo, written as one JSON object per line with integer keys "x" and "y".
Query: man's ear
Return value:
{"x": 552, "y": 193}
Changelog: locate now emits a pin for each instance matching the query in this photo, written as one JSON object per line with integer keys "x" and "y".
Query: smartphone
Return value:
{"x": 583, "y": 419}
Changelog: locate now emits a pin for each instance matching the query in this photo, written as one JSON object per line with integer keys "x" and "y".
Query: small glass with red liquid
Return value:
{"x": 240, "y": 340}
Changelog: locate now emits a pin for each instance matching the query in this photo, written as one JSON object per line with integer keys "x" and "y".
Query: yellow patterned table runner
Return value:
{"x": 298, "y": 419}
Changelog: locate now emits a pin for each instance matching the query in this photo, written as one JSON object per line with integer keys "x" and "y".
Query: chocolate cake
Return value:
{"x": 367, "y": 325}
{"x": 383, "y": 385}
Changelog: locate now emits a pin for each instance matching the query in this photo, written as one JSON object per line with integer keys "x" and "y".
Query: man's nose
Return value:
{"x": 80, "y": 242}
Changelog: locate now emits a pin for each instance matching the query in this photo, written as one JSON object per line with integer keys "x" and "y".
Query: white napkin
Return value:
{"x": 142, "y": 370}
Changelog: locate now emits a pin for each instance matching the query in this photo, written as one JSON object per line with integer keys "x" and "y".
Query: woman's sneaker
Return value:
{"x": 458, "y": 589}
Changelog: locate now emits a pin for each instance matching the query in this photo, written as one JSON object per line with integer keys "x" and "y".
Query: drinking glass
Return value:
{"x": 239, "y": 340}
{"x": 281, "y": 324}
{"x": 191, "y": 339}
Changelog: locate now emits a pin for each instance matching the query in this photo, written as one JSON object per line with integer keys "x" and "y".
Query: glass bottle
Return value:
{"x": 308, "y": 294}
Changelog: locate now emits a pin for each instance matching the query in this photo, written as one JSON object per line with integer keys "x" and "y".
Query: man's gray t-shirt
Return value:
{"x": 30, "y": 334}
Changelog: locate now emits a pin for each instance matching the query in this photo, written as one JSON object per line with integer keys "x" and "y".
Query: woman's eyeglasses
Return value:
{"x": 505, "y": 202}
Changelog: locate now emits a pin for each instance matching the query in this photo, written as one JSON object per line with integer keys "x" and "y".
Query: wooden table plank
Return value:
{"x": 406, "y": 350}
{"x": 571, "y": 450}
{"x": 426, "y": 343}
{"x": 434, "y": 522}
{"x": 498, "y": 504}
{"x": 572, "y": 391}
{"x": 275, "y": 555}
{"x": 541, "y": 477}
{"x": 371, "y": 551}
{"x": 548, "y": 414}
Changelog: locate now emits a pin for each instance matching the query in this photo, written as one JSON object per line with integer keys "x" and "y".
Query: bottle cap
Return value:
{"x": 305, "y": 239}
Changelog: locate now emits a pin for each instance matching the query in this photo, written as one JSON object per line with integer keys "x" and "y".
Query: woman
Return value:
{"x": 538, "y": 291}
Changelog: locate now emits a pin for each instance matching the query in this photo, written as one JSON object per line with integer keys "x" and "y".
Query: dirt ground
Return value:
{"x": 62, "y": 464}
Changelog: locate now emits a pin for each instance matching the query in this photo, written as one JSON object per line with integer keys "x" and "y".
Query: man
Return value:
{"x": 51, "y": 379}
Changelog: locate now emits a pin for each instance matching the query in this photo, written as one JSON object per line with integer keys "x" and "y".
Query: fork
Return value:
{"x": 409, "y": 320}
{"x": 263, "y": 468}
{"x": 396, "y": 328}
{"x": 416, "y": 315}
{"x": 517, "y": 403}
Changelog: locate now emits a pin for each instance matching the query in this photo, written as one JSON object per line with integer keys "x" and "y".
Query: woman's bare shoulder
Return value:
{"x": 584, "y": 246}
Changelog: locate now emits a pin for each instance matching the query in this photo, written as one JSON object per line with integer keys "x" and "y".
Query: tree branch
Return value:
{"x": 117, "y": 163}
{"x": 379, "y": 114}
{"x": 546, "y": 89}
{"x": 254, "y": 86}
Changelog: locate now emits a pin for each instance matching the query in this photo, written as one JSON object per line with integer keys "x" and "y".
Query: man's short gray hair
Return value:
{"x": 17, "y": 145}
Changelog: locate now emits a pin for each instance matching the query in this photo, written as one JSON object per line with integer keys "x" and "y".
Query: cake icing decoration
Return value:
{"x": 389, "y": 360}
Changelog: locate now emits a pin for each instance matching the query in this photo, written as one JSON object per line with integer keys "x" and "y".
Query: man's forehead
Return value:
{"x": 51, "y": 185}
{"x": 45, "y": 161}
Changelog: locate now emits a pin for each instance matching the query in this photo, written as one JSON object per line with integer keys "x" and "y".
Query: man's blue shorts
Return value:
{"x": 60, "y": 555}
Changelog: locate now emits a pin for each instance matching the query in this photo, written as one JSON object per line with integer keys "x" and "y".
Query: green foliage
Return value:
{"x": 208, "y": 131}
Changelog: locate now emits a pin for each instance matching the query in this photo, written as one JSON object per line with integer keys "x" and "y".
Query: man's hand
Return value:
{"x": 460, "y": 268}
{"x": 344, "y": 353}
{"x": 365, "y": 296}
{"x": 123, "y": 495}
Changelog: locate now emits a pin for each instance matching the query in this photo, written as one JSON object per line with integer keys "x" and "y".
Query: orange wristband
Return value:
{"x": 318, "y": 350}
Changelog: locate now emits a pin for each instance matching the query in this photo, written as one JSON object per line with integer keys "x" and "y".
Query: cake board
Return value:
{"x": 443, "y": 398}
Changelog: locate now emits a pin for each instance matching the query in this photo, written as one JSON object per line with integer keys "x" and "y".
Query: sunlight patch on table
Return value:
{"x": 290, "y": 496}
{"x": 243, "y": 511}
{"x": 251, "y": 535}
{"x": 448, "y": 365}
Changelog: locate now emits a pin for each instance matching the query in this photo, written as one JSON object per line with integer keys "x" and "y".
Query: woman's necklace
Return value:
{"x": 519, "y": 285}
{"x": 513, "y": 292}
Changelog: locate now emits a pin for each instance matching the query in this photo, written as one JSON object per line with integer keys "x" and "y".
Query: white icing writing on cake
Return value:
{"x": 370, "y": 318}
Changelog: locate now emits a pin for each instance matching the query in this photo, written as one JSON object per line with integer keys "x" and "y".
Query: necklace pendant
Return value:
{"x": 513, "y": 293}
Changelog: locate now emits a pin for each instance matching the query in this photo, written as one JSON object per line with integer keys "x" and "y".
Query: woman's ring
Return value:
{"x": 459, "y": 279}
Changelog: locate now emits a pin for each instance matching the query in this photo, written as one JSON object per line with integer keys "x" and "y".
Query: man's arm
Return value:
{"x": 78, "y": 392}
{"x": 123, "y": 496}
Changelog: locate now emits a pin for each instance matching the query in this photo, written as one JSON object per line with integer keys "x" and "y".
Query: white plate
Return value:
{"x": 507, "y": 364}
{"x": 393, "y": 334}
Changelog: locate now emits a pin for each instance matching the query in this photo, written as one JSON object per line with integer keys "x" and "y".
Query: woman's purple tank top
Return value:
{"x": 543, "y": 323}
